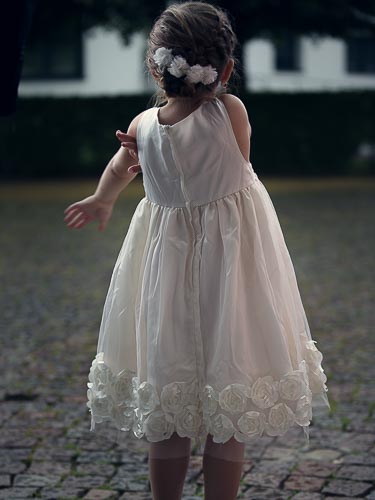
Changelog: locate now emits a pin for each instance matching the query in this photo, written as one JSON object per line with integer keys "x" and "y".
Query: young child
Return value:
{"x": 203, "y": 334}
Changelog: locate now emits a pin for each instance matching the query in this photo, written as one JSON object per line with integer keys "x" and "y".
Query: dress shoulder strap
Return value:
{"x": 224, "y": 115}
{"x": 144, "y": 122}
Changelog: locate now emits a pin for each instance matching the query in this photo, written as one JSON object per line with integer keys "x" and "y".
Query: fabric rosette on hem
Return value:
{"x": 266, "y": 407}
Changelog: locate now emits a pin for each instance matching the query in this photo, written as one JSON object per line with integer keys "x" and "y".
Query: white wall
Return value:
{"x": 322, "y": 67}
{"x": 111, "y": 68}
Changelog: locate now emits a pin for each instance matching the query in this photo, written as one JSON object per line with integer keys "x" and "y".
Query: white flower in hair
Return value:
{"x": 178, "y": 67}
{"x": 204, "y": 74}
{"x": 163, "y": 57}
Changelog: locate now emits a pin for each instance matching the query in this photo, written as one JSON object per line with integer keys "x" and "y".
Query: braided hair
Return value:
{"x": 199, "y": 32}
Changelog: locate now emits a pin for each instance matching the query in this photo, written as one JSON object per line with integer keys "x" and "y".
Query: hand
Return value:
{"x": 130, "y": 142}
{"x": 91, "y": 208}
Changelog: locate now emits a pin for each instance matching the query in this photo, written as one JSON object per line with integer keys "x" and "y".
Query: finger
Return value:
{"x": 133, "y": 154}
{"x": 75, "y": 219}
{"x": 71, "y": 207}
{"x": 130, "y": 145}
{"x": 79, "y": 222}
{"x": 71, "y": 211}
{"x": 125, "y": 137}
{"x": 135, "y": 168}
{"x": 72, "y": 215}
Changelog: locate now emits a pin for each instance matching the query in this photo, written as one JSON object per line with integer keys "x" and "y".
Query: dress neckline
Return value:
{"x": 164, "y": 125}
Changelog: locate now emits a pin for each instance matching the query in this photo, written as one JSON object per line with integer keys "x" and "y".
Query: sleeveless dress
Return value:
{"x": 203, "y": 328}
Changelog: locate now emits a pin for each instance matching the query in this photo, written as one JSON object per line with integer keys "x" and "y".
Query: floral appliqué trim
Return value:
{"x": 265, "y": 407}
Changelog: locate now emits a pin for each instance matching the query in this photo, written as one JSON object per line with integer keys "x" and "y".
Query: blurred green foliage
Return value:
{"x": 329, "y": 133}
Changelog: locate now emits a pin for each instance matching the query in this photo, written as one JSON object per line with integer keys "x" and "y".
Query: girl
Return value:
{"x": 203, "y": 334}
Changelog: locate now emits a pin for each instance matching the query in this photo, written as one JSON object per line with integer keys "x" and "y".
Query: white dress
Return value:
{"x": 203, "y": 328}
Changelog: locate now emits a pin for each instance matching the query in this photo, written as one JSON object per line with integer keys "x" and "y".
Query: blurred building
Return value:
{"x": 98, "y": 63}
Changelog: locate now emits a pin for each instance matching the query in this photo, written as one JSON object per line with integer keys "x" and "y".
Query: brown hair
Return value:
{"x": 199, "y": 32}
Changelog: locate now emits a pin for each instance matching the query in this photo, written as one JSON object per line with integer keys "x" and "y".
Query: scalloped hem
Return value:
{"x": 108, "y": 430}
{"x": 266, "y": 407}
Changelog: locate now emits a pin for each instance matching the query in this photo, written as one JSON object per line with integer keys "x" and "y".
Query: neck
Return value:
{"x": 185, "y": 101}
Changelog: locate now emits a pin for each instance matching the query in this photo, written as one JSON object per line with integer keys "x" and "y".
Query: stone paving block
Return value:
{"x": 339, "y": 498}
{"x": 280, "y": 467}
{"x": 194, "y": 469}
{"x": 132, "y": 468}
{"x": 276, "y": 453}
{"x": 359, "y": 458}
{"x": 106, "y": 470}
{"x": 323, "y": 454}
{"x": 257, "y": 449}
{"x": 138, "y": 485}
{"x": 36, "y": 480}
{"x": 303, "y": 495}
{"x": 105, "y": 457}
{"x": 56, "y": 454}
{"x": 61, "y": 493}
{"x": 96, "y": 494}
{"x": 315, "y": 468}
{"x": 94, "y": 445}
{"x": 119, "y": 482}
{"x": 371, "y": 495}
{"x": 140, "y": 496}
{"x": 189, "y": 489}
{"x": 345, "y": 487}
{"x": 5, "y": 480}
{"x": 304, "y": 483}
{"x": 15, "y": 453}
{"x": 326, "y": 438}
{"x": 16, "y": 493}
{"x": 357, "y": 442}
{"x": 248, "y": 464}
{"x": 356, "y": 472}
{"x": 258, "y": 493}
{"x": 17, "y": 441}
{"x": 199, "y": 480}
{"x": 55, "y": 468}
{"x": 83, "y": 481}
{"x": 263, "y": 479}
{"x": 8, "y": 466}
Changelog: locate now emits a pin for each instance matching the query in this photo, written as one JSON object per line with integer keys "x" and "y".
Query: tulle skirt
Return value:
{"x": 203, "y": 329}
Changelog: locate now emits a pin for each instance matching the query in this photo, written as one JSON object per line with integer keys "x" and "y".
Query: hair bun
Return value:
{"x": 200, "y": 35}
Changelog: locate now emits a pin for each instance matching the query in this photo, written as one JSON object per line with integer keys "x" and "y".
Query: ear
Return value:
{"x": 227, "y": 70}
{"x": 155, "y": 76}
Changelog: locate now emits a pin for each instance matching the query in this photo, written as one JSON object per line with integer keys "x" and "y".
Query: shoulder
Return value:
{"x": 240, "y": 122}
{"x": 132, "y": 129}
{"x": 237, "y": 112}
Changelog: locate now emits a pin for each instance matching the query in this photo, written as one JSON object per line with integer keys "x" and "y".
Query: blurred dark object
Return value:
{"x": 293, "y": 134}
{"x": 15, "y": 22}
{"x": 364, "y": 158}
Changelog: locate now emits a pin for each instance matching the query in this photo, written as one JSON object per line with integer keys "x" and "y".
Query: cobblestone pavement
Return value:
{"x": 53, "y": 290}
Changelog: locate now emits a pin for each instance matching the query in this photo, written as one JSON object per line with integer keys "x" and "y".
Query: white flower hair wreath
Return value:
{"x": 178, "y": 67}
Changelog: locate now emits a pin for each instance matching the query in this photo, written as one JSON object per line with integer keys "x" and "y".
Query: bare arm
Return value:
{"x": 240, "y": 122}
{"x": 114, "y": 179}
{"x": 116, "y": 175}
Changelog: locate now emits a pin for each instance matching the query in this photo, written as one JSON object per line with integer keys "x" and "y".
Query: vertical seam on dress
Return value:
{"x": 197, "y": 333}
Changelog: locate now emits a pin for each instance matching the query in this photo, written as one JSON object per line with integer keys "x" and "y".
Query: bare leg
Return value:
{"x": 222, "y": 468}
{"x": 168, "y": 464}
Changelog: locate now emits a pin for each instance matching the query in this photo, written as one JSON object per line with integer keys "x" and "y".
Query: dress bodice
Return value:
{"x": 193, "y": 162}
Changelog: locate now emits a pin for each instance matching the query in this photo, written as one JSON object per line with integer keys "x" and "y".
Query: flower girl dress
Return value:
{"x": 203, "y": 329}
